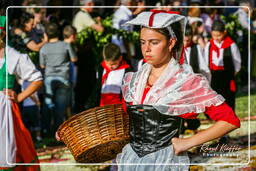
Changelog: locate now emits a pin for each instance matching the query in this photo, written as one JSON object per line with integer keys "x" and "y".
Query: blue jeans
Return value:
{"x": 57, "y": 99}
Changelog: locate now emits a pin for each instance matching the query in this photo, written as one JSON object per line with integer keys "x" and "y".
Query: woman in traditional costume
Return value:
{"x": 161, "y": 94}
{"x": 16, "y": 143}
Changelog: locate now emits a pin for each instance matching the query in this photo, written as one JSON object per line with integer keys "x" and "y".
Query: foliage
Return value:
{"x": 101, "y": 38}
{"x": 232, "y": 26}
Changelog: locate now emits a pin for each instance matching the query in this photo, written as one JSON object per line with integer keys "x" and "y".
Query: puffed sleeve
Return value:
{"x": 26, "y": 70}
{"x": 223, "y": 112}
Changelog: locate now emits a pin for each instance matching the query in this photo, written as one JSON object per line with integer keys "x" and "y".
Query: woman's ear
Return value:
{"x": 172, "y": 43}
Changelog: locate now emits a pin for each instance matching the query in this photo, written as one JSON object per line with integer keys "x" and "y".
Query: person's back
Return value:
{"x": 56, "y": 58}
{"x": 122, "y": 15}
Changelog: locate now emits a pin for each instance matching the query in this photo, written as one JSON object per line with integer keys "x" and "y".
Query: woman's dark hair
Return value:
{"x": 195, "y": 26}
{"x": 52, "y": 30}
{"x": 25, "y": 17}
{"x": 218, "y": 26}
{"x": 189, "y": 31}
{"x": 177, "y": 29}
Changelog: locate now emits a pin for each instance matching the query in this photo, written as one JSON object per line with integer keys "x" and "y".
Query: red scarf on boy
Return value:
{"x": 227, "y": 42}
{"x": 110, "y": 98}
{"x": 182, "y": 58}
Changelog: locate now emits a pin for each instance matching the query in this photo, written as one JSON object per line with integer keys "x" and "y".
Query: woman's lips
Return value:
{"x": 148, "y": 56}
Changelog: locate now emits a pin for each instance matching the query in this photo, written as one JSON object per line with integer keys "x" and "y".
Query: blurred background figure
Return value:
{"x": 83, "y": 19}
{"x": 122, "y": 14}
{"x": 55, "y": 58}
{"x": 87, "y": 61}
{"x": 25, "y": 37}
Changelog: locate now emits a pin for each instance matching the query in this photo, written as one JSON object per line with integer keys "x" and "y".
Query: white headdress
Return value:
{"x": 160, "y": 19}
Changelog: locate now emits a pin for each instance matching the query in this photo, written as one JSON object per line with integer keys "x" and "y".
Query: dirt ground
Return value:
{"x": 229, "y": 153}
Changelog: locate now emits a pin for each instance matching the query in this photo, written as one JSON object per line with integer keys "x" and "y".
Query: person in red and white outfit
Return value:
{"x": 109, "y": 77}
{"x": 224, "y": 59}
{"x": 17, "y": 152}
{"x": 193, "y": 55}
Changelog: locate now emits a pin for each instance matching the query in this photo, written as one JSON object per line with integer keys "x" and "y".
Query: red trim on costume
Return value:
{"x": 221, "y": 112}
{"x": 26, "y": 152}
{"x": 123, "y": 65}
{"x": 124, "y": 104}
{"x": 1, "y": 28}
{"x": 154, "y": 12}
{"x": 227, "y": 42}
{"x": 182, "y": 55}
{"x": 191, "y": 115}
{"x": 146, "y": 90}
{"x": 232, "y": 85}
{"x": 109, "y": 98}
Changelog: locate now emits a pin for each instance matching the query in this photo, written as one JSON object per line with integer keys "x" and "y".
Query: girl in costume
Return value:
{"x": 161, "y": 94}
{"x": 16, "y": 142}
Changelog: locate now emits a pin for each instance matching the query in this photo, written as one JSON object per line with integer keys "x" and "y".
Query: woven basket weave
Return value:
{"x": 96, "y": 135}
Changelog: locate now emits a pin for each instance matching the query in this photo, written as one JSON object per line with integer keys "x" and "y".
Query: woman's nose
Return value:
{"x": 147, "y": 48}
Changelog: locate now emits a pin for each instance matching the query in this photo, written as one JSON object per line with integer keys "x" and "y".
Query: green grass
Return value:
{"x": 242, "y": 102}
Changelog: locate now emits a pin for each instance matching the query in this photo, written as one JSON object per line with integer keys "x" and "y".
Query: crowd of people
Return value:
{"x": 73, "y": 81}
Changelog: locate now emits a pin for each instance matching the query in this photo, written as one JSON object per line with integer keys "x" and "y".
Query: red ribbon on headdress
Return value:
{"x": 154, "y": 12}
{"x": 182, "y": 56}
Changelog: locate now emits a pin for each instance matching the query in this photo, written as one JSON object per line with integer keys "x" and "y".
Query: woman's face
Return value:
{"x": 29, "y": 25}
{"x": 155, "y": 47}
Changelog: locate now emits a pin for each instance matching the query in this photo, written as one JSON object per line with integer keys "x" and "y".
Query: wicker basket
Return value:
{"x": 96, "y": 135}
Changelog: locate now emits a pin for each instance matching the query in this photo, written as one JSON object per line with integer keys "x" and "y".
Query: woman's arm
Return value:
{"x": 34, "y": 86}
{"x": 217, "y": 130}
{"x": 32, "y": 45}
{"x": 35, "y": 47}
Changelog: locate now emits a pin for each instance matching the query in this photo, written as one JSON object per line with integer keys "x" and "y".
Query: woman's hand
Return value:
{"x": 57, "y": 136}
{"x": 12, "y": 95}
{"x": 45, "y": 38}
{"x": 217, "y": 130}
{"x": 180, "y": 145}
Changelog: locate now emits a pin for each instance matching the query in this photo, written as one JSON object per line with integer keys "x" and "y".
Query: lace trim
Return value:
{"x": 177, "y": 91}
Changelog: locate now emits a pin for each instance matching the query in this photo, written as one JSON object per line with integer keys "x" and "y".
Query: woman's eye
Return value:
{"x": 142, "y": 43}
{"x": 154, "y": 43}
